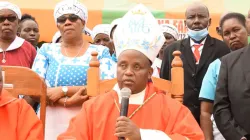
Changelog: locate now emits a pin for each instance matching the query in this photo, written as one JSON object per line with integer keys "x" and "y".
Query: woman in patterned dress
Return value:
{"x": 64, "y": 66}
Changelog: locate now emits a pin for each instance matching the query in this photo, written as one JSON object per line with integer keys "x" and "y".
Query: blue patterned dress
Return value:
{"x": 59, "y": 70}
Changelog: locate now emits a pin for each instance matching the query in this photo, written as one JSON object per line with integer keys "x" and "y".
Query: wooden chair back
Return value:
{"x": 24, "y": 81}
{"x": 173, "y": 88}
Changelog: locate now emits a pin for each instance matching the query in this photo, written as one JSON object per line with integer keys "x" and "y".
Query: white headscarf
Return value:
{"x": 101, "y": 28}
{"x": 114, "y": 23}
{"x": 71, "y": 7}
{"x": 88, "y": 32}
{"x": 10, "y": 6}
{"x": 139, "y": 30}
{"x": 171, "y": 29}
{"x": 56, "y": 36}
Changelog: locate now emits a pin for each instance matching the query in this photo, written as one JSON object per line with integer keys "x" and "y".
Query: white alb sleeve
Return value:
{"x": 149, "y": 134}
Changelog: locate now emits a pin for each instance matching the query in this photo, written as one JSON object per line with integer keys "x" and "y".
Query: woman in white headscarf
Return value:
{"x": 64, "y": 66}
{"x": 171, "y": 35}
{"x": 113, "y": 26}
{"x": 14, "y": 51}
{"x": 101, "y": 37}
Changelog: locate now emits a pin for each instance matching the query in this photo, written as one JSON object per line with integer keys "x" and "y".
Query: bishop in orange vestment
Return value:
{"x": 97, "y": 119}
{"x": 151, "y": 114}
{"x": 18, "y": 121}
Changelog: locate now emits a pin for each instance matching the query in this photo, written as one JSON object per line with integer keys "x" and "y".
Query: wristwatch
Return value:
{"x": 65, "y": 90}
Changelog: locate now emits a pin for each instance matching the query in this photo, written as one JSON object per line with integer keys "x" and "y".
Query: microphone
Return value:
{"x": 125, "y": 94}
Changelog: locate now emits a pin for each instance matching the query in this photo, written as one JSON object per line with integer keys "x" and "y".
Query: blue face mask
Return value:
{"x": 197, "y": 35}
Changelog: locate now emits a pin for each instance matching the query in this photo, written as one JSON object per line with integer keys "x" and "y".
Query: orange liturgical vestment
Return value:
{"x": 97, "y": 119}
{"x": 18, "y": 120}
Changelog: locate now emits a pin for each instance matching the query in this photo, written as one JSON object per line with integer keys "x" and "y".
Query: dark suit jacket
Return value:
{"x": 193, "y": 74}
{"x": 232, "y": 99}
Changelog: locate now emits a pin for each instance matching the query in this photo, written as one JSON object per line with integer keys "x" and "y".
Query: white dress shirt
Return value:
{"x": 192, "y": 43}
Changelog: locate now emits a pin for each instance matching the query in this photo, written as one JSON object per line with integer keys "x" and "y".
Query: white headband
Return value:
{"x": 101, "y": 28}
{"x": 171, "y": 29}
{"x": 71, "y": 7}
{"x": 10, "y": 6}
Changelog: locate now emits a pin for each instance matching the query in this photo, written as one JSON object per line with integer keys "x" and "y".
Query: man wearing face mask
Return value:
{"x": 198, "y": 50}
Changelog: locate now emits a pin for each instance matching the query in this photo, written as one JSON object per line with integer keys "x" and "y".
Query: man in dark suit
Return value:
{"x": 198, "y": 51}
{"x": 232, "y": 98}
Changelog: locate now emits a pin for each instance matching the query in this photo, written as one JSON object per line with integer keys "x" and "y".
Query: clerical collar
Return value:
{"x": 136, "y": 99}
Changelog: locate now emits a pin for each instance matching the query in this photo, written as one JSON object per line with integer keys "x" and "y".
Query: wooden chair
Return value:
{"x": 24, "y": 81}
{"x": 174, "y": 88}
